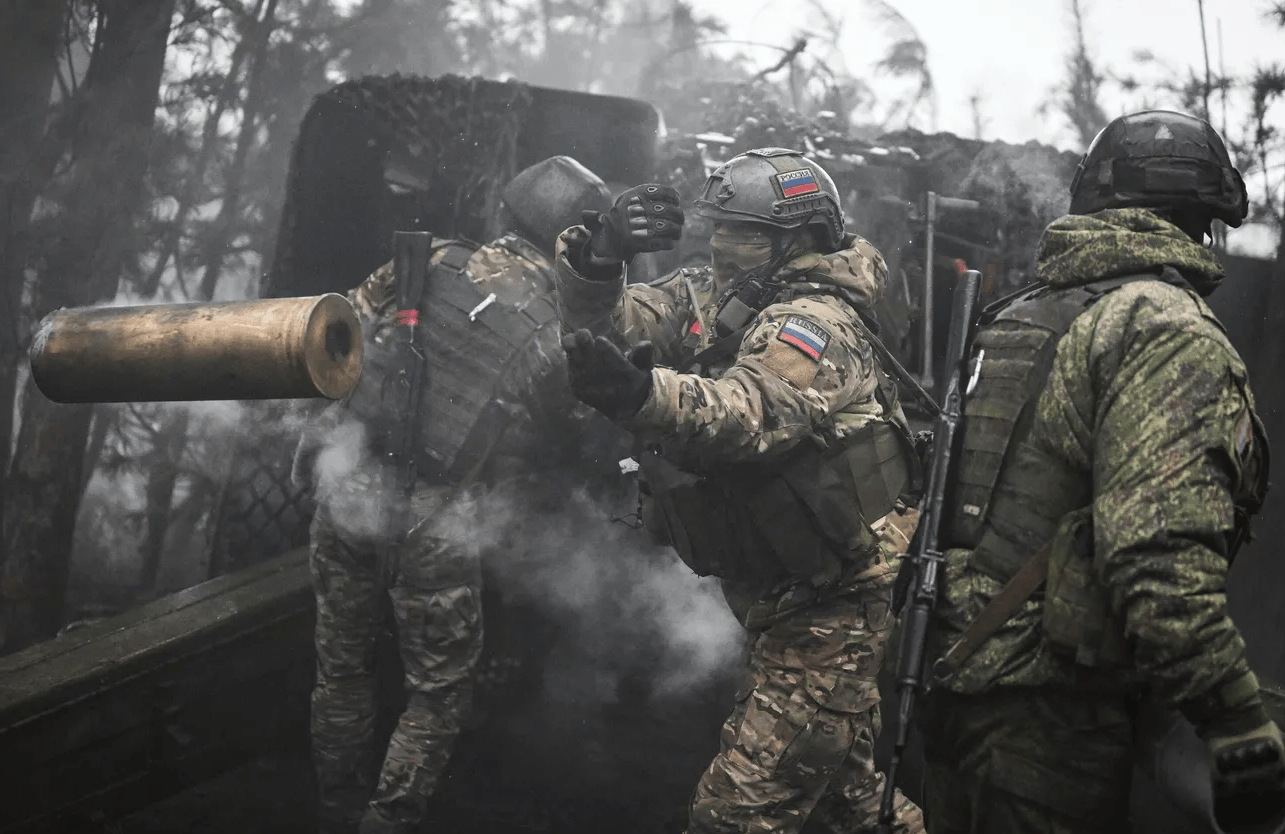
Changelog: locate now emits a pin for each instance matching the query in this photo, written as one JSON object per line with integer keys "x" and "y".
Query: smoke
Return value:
{"x": 357, "y": 493}
{"x": 625, "y": 606}
{"x": 1028, "y": 186}
{"x": 130, "y": 445}
{"x": 630, "y": 603}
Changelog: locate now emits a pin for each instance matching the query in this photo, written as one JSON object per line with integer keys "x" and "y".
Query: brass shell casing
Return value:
{"x": 273, "y": 348}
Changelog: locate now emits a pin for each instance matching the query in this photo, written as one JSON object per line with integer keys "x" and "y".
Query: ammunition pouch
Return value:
{"x": 803, "y": 518}
{"x": 1077, "y": 617}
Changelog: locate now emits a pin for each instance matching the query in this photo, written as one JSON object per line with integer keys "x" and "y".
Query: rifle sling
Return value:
{"x": 897, "y": 370}
{"x": 724, "y": 348}
{"x": 999, "y": 610}
{"x": 450, "y": 267}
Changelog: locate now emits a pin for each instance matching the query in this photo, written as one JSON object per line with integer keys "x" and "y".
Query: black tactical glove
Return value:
{"x": 1248, "y": 772}
{"x": 604, "y": 378}
{"x": 645, "y": 218}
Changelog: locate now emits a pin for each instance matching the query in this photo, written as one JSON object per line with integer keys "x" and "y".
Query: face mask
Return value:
{"x": 737, "y": 252}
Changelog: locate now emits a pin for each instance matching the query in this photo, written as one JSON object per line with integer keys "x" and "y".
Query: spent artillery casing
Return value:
{"x": 273, "y": 348}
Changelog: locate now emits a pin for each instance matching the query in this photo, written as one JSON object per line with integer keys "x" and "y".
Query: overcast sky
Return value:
{"x": 1011, "y": 52}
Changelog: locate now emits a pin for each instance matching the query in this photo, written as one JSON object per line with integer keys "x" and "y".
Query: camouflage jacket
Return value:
{"x": 1149, "y": 401}
{"x": 803, "y": 373}
{"x": 775, "y": 392}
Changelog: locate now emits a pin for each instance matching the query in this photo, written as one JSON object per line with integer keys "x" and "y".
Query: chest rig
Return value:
{"x": 1025, "y": 516}
{"x": 800, "y": 518}
{"x": 466, "y": 340}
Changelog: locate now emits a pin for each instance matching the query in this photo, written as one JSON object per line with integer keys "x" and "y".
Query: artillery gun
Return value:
{"x": 144, "y": 704}
{"x": 125, "y": 711}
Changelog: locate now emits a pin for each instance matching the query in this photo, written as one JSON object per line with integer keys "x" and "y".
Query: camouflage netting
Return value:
{"x": 373, "y": 155}
{"x": 387, "y": 153}
{"x": 384, "y": 153}
{"x": 260, "y": 513}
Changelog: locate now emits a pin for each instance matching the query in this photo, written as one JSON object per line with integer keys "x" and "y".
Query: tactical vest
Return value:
{"x": 801, "y": 517}
{"x": 1010, "y": 499}
{"x": 467, "y": 341}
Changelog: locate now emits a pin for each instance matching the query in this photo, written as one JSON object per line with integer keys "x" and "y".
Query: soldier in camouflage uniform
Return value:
{"x": 495, "y": 409}
{"x": 774, "y": 455}
{"x": 1111, "y": 459}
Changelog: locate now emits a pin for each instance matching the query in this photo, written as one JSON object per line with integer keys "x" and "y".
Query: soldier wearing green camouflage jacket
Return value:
{"x": 773, "y": 454}
{"x": 1111, "y": 446}
{"x": 495, "y": 410}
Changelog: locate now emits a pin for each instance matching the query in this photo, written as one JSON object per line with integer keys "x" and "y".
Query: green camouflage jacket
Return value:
{"x": 1150, "y": 402}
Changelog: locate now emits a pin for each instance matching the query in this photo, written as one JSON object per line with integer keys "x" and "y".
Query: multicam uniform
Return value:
{"x": 797, "y": 403}
{"x": 503, "y": 369}
{"x": 1146, "y": 424}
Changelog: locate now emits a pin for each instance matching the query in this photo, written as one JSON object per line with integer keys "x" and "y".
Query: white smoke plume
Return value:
{"x": 626, "y": 600}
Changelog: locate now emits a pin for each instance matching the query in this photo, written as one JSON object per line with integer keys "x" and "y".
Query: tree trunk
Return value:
{"x": 192, "y": 192}
{"x": 234, "y": 178}
{"x": 167, "y": 454}
{"x": 30, "y": 34}
{"x": 94, "y": 240}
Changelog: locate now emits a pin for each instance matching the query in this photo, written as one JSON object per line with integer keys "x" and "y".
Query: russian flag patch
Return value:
{"x": 797, "y": 183}
{"x": 807, "y": 336}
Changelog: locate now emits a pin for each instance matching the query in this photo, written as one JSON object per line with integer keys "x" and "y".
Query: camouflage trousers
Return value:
{"x": 1031, "y": 761}
{"x": 436, "y": 601}
{"x": 800, "y": 743}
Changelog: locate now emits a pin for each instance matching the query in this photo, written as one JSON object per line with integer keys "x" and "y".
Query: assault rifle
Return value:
{"x": 917, "y": 580}
{"x": 410, "y": 269}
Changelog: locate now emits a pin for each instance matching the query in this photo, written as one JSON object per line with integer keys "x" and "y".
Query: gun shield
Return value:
{"x": 277, "y": 348}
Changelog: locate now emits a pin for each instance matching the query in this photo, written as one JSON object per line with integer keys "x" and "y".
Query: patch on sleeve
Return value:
{"x": 1244, "y": 436}
{"x": 807, "y": 336}
{"x": 796, "y": 351}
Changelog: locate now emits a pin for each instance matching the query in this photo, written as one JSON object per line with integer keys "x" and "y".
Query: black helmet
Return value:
{"x": 1159, "y": 159}
{"x": 549, "y": 196}
{"x": 777, "y": 187}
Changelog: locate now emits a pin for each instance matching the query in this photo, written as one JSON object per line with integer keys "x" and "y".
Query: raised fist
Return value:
{"x": 645, "y": 218}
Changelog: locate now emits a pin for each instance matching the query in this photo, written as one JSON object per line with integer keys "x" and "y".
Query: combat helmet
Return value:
{"x": 776, "y": 187}
{"x": 1160, "y": 159}
{"x": 549, "y": 196}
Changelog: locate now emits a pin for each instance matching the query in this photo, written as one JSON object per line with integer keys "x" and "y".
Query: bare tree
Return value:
{"x": 907, "y": 57}
{"x": 90, "y": 242}
{"x": 30, "y": 39}
{"x": 1080, "y": 96}
{"x": 975, "y": 110}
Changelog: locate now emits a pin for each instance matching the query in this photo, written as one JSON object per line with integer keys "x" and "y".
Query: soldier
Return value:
{"x": 494, "y": 407}
{"x": 1111, "y": 460}
{"x": 774, "y": 455}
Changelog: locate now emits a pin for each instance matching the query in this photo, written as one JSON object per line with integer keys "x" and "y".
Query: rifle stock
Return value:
{"x": 410, "y": 266}
{"x": 924, "y": 560}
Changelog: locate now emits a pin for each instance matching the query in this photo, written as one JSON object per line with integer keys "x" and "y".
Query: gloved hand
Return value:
{"x": 645, "y": 218}
{"x": 604, "y": 378}
{"x": 1248, "y": 779}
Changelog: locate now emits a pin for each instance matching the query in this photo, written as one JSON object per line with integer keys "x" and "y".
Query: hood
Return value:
{"x": 1077, "y": 249}
{"x": 857, "y": 268}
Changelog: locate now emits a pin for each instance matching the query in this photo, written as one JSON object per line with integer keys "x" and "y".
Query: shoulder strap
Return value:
{"x": 998, "y": 611}
{"x": 457, "y": 255}
{"x": 724, "y": 348}
{"x": 455, "y": 258}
